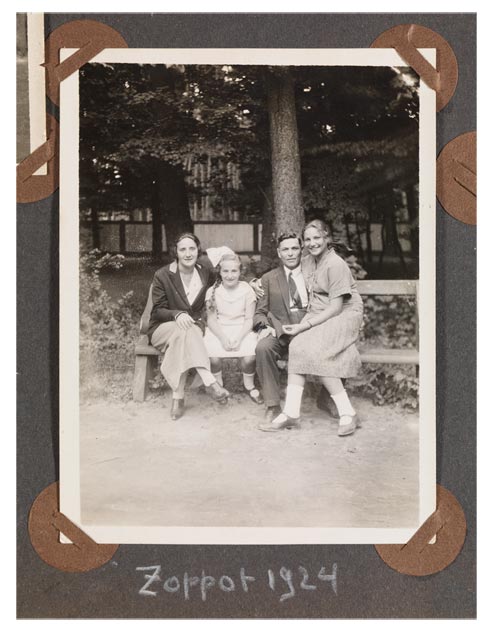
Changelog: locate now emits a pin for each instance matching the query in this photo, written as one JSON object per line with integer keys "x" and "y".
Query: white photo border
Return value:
{"x": 70, "y": 500}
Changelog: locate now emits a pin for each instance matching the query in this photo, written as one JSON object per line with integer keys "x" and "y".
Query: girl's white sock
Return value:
{"x": 248, "y": 381}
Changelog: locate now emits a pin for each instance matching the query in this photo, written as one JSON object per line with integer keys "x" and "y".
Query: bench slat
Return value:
{"x": 389, "y": 356}
{"x": 146, "y": 350}
{"x": 384, "y": 288}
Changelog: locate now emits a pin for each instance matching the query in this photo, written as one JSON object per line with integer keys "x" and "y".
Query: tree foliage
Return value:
{"x": 142, "y": 124}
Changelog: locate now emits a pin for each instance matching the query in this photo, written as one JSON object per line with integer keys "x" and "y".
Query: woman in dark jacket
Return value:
{"x": 176, "y": 326}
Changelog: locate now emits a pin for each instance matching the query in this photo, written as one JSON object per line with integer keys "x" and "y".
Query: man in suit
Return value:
{"x": 284, "y": 302}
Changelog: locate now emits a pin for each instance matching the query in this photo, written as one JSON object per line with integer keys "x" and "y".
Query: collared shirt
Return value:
{"x": 192, "y": 291}
{"x": 300, "y": 284}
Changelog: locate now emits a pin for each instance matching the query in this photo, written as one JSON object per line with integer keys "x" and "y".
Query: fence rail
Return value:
{"x": 135, "y": 237}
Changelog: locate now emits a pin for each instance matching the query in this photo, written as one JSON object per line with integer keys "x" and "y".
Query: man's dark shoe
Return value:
{"x": 177, "y": 408}
{"x": 271, "y": 413}
{"x": 326, "y": 403}
{"x": 283, "y": 422}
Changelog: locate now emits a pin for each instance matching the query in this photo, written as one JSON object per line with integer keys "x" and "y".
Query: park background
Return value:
{"x": 238, "y": 154}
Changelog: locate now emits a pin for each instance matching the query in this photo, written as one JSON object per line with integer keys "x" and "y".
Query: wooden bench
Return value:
{"x": 382, "y": 355}
{"x": 146, "y": 356}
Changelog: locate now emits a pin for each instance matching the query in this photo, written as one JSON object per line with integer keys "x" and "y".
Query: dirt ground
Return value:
{"x": 213, "y": 467}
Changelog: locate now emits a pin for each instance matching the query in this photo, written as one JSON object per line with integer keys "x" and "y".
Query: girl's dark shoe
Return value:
{"x": 255, "y": 395}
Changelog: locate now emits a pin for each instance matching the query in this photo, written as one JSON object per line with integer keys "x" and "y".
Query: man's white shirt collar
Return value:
{"x": 295, "y": 271}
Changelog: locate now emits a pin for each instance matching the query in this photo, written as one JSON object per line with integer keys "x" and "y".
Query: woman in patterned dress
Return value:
{"x": 324, "y": 343}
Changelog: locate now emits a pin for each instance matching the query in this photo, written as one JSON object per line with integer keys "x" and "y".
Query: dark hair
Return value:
{"x": 339, "y": 246}
{"x": 289, "y": 235}
{"x": 191, "y": 236}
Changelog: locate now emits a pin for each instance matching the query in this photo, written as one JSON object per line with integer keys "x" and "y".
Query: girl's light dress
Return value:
{"x": 231, "y": 312}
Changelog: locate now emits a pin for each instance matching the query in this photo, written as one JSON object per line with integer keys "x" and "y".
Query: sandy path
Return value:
{"x": 214, "y": 468}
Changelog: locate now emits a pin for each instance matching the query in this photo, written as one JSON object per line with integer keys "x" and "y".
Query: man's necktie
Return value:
{"x": 293, "y": 291}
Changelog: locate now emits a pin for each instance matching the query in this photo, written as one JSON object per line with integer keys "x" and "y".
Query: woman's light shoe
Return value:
{"x": 350, "y": 426}
{"x": 177, "y": 408}
{"x": 281, "y": 422}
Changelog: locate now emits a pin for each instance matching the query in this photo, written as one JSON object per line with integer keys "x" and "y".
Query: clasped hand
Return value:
{"x": 230, "y": 344}
{"x": 293, "y": 330}
{"x": 184, "y": 321}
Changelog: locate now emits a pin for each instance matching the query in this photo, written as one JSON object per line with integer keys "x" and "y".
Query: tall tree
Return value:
{"x": 285, "y": 155}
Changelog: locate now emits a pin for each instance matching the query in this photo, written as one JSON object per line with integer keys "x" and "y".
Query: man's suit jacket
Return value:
{"x": 169, "y": 298}
{"x": 273, "y": 308}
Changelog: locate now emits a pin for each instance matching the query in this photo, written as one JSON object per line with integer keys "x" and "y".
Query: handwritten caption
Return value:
{"x": 283, "y": 582}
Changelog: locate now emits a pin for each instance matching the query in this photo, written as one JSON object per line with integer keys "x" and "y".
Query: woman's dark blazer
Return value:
{"x": 169, "y": 298}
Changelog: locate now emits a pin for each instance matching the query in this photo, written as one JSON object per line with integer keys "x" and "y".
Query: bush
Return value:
{"x": 388, "y": 384}
{"x": 390, "y": 321}
{"x": 107, "y": 327}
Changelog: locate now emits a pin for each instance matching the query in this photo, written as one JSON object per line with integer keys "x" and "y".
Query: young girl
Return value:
{"x": 230, "y": 307}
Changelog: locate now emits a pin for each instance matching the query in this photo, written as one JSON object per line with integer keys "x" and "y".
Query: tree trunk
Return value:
{"x": 348, "y": 232}
{"x": 268, "y": 248}
{"x": 361, "y": 254}
{"x": 173, "y": 199}
{"x": 96, "y": 242}
{"x": 390, "y": 239}
{"x": 288, "y": 212}
{"x": 369, "y": 245}
{"x": 412, "y": 209}
{"x": 157, "y": 233}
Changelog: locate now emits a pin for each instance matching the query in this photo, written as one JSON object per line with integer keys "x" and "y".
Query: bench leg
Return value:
{"x": 142, "y": 374}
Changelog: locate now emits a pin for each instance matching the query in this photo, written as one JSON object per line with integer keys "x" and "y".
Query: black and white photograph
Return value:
{"x": 247, "y": 296}
{"x": 30, "y": 85}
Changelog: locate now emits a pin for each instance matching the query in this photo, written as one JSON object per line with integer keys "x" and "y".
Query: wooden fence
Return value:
{"x": 134, "y": 238}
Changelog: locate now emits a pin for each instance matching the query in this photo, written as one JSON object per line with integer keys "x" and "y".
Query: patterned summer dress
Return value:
{"x": 328, "y": 349}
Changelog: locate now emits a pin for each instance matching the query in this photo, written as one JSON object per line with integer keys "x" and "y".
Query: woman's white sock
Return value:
{"x": 205, "y": 375}
{"x": 292, "y": 407}
{"x": 343, "y": 404}
{"x": 180, "y": 391}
